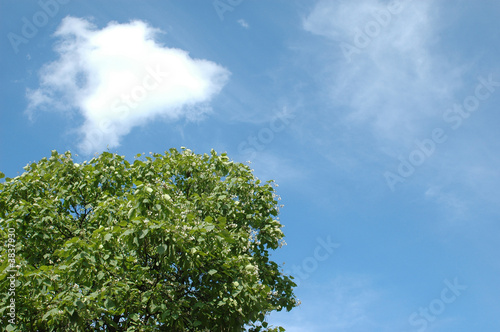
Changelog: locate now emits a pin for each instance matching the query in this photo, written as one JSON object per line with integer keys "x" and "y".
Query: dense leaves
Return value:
{"x": 171, "y": 242}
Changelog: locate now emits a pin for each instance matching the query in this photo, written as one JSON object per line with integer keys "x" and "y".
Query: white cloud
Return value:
{"x": 119, "y": 77}
{"x": 243, "y": 23}
{"x": 449, "y": 200}
{"x": 335, "y": 19}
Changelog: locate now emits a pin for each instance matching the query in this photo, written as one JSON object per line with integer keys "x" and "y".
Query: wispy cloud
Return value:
{"x": 343, "y": 304}
{"x": 387, "y": 80}
{"x": 243, "y": 23}
{"x": 120, "y": 77}
{"x": 383, "y": 67}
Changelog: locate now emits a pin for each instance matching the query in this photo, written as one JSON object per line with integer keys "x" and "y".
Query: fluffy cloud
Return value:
{"x": 120, "y": 77}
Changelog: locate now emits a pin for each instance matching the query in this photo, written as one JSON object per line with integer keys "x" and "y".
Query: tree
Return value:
{"x": 171, "y": 242}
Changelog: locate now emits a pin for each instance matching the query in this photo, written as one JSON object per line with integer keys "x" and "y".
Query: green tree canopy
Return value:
{"x": 171, "y": 242}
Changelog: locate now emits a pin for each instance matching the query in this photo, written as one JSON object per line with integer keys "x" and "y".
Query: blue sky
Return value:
{"x": 378, "y": 120}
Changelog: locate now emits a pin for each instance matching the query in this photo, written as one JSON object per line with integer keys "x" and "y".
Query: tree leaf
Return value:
{"x": 50, "y": 313}
{"x": 161, "y": 249}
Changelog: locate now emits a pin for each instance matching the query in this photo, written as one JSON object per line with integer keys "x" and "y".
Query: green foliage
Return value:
{"x": 172, "y": 242}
